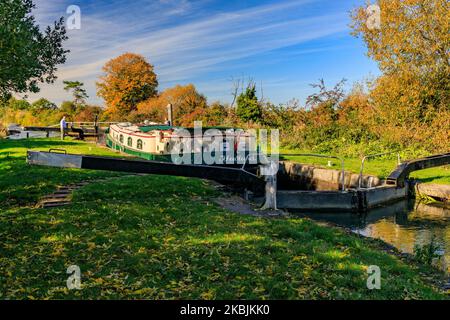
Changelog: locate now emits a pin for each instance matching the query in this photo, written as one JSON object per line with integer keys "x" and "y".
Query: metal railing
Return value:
{"x": 84, "y": 123}
{"x": 363, "y": 161}
{"x": 325, "y": 157}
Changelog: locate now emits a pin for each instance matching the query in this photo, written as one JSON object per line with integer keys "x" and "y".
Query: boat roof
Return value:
{"x": 156, "y": 127}
{"x": 163, "y": 127}
{"x": 148, "y": 128}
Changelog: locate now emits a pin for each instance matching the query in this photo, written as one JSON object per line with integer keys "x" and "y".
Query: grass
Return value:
{"x": 380, "y": 167}
{"x": 154, "y": 237}
{"x": 21, "y": 184}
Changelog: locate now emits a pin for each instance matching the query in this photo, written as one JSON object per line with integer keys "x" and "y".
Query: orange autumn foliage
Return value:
{"x": 187, "y": 105}
{"x": 128, "y": 80}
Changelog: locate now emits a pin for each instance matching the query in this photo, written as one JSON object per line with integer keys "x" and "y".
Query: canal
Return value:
{"x": 405, "y": 224}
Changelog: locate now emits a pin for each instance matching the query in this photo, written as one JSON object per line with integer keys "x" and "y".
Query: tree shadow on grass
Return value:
{"x": 35, "y": 143}
{"x": 432, "y": 179}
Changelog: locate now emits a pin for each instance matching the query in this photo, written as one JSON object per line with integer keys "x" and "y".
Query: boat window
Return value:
{"x": 121, "y": 138}
{"x": 130, "y": 142}
{"x": 139, "y": 144}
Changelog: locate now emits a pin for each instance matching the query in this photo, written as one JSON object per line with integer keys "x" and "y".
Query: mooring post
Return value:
{"x": 271, "y": 193}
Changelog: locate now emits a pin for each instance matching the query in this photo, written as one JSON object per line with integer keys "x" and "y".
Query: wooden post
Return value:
{"x": 96, "y": 128}
{"x": 170, "y": 114}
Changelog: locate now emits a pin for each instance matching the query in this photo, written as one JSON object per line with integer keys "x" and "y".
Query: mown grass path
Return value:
{"x": 154, "y": 237}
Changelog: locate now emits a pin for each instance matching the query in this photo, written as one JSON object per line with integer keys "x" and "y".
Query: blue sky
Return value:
{"x": 282, "y": 45}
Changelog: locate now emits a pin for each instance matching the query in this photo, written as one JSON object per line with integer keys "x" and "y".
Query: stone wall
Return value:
{"x": 440, "y": 192}
{"x": 309, "y": 177}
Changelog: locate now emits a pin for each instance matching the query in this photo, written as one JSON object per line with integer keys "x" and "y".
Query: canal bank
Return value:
{"x": 406, "y": 225}
{"x": 117, "y": 228}
{"x": 437, "y": 192}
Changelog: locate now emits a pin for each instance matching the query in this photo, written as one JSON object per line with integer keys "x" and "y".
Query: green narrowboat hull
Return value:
{"x": 145, "y": 155}
{"x": 159, "y": 157}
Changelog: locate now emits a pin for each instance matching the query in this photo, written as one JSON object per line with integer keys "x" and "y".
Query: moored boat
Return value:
{"x": 159, "y": 142}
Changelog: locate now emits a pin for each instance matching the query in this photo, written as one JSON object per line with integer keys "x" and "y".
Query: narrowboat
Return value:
{"x": 158, "y": 142}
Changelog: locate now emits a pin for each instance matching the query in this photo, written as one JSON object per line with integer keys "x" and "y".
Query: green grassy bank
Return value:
{"x": 153, "y": 237}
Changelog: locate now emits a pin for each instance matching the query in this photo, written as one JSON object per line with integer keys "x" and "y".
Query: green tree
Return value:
{"x": 42, "y": 105}
{"x": 16, "y": 104}
{"x": 78, "y": 92}
{"x": 248, "y": 107}
{"x": 68, "y": 107}
{"x": 27, "y": 55}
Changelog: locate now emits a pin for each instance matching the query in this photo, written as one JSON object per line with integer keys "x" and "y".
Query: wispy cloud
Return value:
{"x": 183, "y": 39}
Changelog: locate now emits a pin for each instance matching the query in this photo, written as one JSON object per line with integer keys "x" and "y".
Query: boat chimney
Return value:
{"x": 169, "y": 114}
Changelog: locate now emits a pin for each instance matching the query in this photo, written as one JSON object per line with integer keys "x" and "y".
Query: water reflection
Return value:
{"x": 403, "y": 224}
{"x": 32, "y": 135}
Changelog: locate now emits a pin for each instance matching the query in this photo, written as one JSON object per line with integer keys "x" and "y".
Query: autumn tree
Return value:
{"x": 216, "y": 114}
{"x": 87, "y": 113}
{"x": 28, "y": 56}
{"x": 411, "y": 45}
{"x": 128, "y": 80}
{"x": 184, "y": 99}
{"x": 320, "y": 126}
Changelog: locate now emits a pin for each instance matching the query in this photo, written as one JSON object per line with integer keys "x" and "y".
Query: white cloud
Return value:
{"x": 180, "y": 48}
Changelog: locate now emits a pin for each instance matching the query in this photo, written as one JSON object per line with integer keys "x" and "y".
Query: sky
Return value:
{"x": 283, "y": 45}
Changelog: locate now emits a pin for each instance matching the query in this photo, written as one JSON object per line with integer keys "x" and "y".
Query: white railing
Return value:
{"x": 363, "y": 161}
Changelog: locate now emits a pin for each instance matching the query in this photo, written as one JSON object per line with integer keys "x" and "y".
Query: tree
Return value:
{"x": 43, "y": 104}
{"x": 411, "y": 46}
{"x": 16, "y": 104}
{"x": 248, "y": 107}
{"x": 79, "y": 94}
{"x": 27, "y": 55}
{"x": 68, "y": 107}
{"x": 87, "y": 113}
{"x": 216, "y": 114}
{"x": 184, "y": 99}
{"x": 128, "y": 80}
{"x": 331, "y": 97}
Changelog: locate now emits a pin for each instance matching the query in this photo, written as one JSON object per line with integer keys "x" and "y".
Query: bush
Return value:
{"x": 426, "y": 254}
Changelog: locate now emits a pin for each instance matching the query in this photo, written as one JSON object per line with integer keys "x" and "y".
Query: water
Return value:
{"x": 32, "y": 134}
{"x": 403, "y": 225}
